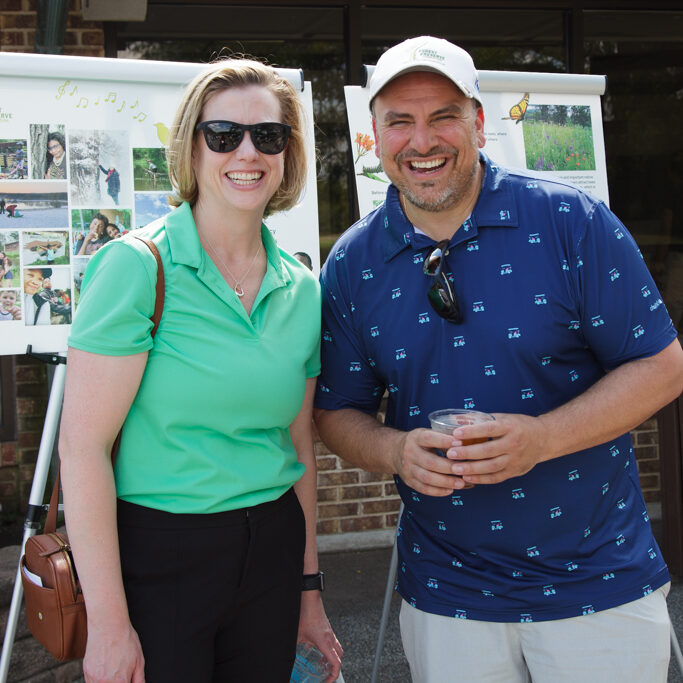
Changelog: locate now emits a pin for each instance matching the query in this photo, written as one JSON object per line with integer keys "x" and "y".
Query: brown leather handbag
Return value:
{"x": 55, "y": 610}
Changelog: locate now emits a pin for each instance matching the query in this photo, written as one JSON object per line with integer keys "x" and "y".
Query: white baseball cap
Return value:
{"x": 427, "y": 53}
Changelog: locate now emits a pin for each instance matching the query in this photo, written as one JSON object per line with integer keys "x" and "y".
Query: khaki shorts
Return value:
{"x": 625, "y": 644}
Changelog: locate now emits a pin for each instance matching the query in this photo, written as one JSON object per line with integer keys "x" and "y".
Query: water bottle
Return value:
{"x": 310, "y": 665}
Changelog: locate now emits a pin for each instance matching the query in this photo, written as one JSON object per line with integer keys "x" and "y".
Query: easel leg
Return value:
{"x": 388, "y": 593}
{"x": 35, "y": 507}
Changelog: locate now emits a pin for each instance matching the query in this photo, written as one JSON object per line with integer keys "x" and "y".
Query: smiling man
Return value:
{"x": 527, "y": 556}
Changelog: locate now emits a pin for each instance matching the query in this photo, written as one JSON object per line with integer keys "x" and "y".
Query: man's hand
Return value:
{"x": 517, "y": 443}
{"x": 421, "y": 468}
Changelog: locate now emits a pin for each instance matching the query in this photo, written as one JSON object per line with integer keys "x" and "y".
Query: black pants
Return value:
{"x": 215, "y": 597}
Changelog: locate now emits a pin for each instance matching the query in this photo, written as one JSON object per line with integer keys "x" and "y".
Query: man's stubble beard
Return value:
{"x": 458, "y": 187}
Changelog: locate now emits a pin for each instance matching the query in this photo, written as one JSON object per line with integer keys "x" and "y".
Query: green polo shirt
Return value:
{"x": 209, "y": 428}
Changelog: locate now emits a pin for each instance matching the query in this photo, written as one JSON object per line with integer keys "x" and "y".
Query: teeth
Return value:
{"x": 428, "y": 164}
{"x": 244, "y": 178}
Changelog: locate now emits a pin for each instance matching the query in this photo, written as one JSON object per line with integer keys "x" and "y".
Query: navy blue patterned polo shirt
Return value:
{"x": 554, "y": 294}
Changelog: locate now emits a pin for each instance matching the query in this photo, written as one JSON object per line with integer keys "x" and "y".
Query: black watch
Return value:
{"x": 313, "y": 582}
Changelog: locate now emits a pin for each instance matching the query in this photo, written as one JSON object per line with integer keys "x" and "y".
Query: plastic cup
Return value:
{"x": 445, "y": 421}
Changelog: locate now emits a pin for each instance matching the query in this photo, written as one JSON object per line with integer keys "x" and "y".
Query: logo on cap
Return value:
{"x": 426, "y": 53}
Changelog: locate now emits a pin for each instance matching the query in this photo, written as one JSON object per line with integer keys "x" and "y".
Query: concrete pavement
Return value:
{"x": 354, "y": 595}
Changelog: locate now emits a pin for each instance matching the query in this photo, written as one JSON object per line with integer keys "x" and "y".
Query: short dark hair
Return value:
{"x": 45, "y": 272}
{"x": 56, "y": 135}
{"x": 100, "y": 217}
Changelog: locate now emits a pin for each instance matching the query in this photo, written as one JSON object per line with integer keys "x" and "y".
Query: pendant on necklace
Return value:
{"x": 238, "y": 290}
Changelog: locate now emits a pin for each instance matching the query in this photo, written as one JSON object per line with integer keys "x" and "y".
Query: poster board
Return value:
{"x": 549, "y": 124}
{"x": 111, "y": 114}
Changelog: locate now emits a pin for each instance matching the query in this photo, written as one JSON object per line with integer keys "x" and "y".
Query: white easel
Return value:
{"x": 32, "y": 522}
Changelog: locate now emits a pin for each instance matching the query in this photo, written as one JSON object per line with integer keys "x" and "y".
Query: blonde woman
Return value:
{"x": 192, "y": 552}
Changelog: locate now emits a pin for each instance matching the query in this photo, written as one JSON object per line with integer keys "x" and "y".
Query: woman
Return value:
{"x": 96, "y": 237}
{"x": 216, "y": 462}
{"x": 113, "y": 181}
{"x": 56, "y": 157}
{"x": 113, "y": 231}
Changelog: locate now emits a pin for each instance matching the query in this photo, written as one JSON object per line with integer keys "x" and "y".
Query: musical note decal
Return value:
{"x": 61, "y": 89}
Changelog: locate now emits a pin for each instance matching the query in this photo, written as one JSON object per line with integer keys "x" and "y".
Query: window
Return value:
{"x": 642, "y": 55}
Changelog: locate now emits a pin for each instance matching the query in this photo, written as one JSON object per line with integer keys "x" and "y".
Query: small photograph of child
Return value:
{"x": 93, "y": 228}
{"x": 79, "y": 265}
{"x": 99, "y": 168}
{"x": 150, "y": 169}
{"x": 48, "y": 247}
{"x": 9, "y": 259}
{"x": 10, "y": 305}
{"x": 47, "y": 296}
{"x": 48, "y": 151}
{"x": 149, "y": 206}
{"x": 13, "y": 159}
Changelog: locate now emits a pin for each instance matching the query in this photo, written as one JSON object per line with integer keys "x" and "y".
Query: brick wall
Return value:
{"x": 18, "y": 458}
{"x": 18, "y": 29}
{"x": 350, "y": 499}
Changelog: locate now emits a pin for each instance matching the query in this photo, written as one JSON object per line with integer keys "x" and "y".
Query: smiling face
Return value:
{"x": 97, "y": 225}
{"x": 244, "y": 179}
{"x": 113, "y": 231}
{"x": 428, "y": 136}
{"x": 55, "y": 148}
{"x": 33, "y": 280}
{"x": 8, "y": 299}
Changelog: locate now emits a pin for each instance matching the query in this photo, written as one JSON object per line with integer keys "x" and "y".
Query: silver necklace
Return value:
{"x": 239, "y": 290}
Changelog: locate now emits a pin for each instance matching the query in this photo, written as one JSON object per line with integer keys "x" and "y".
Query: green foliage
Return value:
{"x": 552, "y": 146}
{"x": 143, "y": 178}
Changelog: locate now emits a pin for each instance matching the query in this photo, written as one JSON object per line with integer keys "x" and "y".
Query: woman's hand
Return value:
{"x": 314, "y": 628}
{"x": 113, "y": 655}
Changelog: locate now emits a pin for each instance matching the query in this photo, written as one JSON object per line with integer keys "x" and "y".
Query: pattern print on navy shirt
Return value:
{"x": 554, "y": 293}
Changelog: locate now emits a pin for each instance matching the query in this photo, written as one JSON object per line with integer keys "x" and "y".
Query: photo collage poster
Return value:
{"x": 82, "y": 162}
{"x": 546, "y": 133}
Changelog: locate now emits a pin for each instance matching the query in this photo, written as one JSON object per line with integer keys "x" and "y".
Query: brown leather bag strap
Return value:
{"x": 156, "y": 316}
{"x": 161, "y": 284}
{"x": 51, "y": 520}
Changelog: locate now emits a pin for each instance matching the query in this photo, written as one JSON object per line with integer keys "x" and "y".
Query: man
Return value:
{"x": 36, "y": 308}
{"x": 153, "y": 170}
{"x": 479, "y": 287}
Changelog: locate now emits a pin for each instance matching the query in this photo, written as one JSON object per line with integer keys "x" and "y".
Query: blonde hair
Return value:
{"x": 236, "y": 73}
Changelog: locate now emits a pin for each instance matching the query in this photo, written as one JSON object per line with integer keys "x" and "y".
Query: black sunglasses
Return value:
{"x": 226, "y": 136}
{"x": 441, "y": 295}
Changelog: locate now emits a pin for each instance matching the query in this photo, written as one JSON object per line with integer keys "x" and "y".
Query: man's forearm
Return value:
{"x": 619, "y": 402}
{"x": 360, "y": 439}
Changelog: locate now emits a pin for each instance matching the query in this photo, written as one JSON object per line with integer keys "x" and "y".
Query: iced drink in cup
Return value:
{"x": 445, "y": 421}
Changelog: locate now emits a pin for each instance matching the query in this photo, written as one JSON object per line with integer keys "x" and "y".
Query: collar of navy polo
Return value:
{"x": 495, "y": 207}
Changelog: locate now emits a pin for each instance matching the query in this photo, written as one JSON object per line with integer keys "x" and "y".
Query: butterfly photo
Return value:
{"x": 518, "y": 111}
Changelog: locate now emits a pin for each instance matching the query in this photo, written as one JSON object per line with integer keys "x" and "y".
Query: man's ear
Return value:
{"x": 374, "y": 132}
{"x": 479, "y": 126}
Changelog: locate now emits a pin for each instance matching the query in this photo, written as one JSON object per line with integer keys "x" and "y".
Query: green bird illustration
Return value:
{"x": 162, "y": 133}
